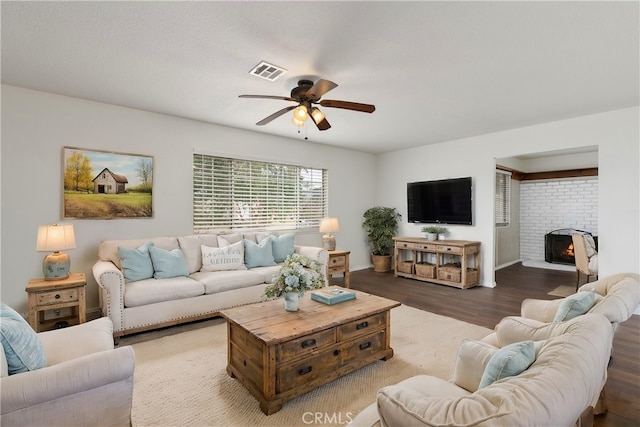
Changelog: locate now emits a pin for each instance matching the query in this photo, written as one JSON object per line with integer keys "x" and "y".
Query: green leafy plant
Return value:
{"x": 298, "y": 274}
{"x": 434, "y": 229}
{"x": 431, "y": 229}
{"x": 381, "y": 224}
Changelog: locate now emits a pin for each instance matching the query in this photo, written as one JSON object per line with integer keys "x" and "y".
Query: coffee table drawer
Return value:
{"x": 363, "y": 346}
{"x": 304, "y": 345}
{"x": 304, "y": 371}
{"x": 362, "y": 326}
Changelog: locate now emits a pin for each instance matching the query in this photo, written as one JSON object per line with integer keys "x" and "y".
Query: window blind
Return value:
{"x": 244, "y": 194}
{"x": 503, "y": 198}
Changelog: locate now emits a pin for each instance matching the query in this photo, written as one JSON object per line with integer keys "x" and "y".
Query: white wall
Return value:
{"x": 616, "y": 134}
{"x": 36, "y": 125}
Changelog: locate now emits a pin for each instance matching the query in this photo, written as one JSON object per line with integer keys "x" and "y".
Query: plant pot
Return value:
{"x": 291, "y": 301}
{"x": 432, "y": 236}
{"x": 381, "y": 263}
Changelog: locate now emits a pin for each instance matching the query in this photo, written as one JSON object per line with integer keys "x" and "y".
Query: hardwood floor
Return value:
{"x": 486, "y": 306}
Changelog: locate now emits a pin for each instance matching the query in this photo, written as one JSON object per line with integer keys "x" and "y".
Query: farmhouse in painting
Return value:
{"x": 108, "y": 182}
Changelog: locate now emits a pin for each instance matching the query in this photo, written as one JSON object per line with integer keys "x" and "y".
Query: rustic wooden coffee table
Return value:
{"x": 279, "y": 355}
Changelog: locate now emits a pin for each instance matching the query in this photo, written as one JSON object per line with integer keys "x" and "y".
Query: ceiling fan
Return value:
{"x": 306, "y": 95}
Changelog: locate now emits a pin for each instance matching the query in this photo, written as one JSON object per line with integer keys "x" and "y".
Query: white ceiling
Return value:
{"x": 436, "y": 71}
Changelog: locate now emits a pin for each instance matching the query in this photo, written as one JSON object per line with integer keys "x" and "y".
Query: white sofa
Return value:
{"x": 561, "y": 386}
{"x": 153, "y": 303}
{"x": 616, "y": 297}
{"x": 85, "y": 382}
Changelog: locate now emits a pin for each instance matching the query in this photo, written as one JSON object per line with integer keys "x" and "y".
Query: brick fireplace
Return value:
{"x": 551, "y": 205}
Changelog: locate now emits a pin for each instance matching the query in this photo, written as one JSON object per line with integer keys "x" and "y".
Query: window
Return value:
{"x": 245, "y": 194}
{"x": 503, "y": 198}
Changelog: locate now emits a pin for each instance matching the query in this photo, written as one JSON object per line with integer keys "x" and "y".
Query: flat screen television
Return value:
{"x": 446, "y": 201}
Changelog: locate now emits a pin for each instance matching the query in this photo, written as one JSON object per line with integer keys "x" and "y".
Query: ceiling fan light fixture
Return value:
{"x": 299, "y": 123}
{"x": 317, "y": 115}
{"x": 301, "y": 113}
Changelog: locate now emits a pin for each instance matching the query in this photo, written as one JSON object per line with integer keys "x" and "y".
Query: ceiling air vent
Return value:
{"x": 267, "y": 71}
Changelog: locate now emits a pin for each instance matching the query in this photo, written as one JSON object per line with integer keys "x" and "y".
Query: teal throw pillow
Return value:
{"x": 168, "y": 264}
{"x": 283, "y": 246}
{"x": 510, "y": 360}
{"x": 574, "y": 306}
{"x": 258, "y": 255}
{"x": 136, "y": 263}
{"x": 22, "y": 346}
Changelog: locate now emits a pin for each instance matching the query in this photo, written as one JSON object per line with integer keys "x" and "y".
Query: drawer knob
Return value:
{"x": 365, "y": 345}
{"x": 336, "y": 352}
{"x": 362, "y": 325}
{"x": 304, "y": 371}
{"x": 308, "y": 343}
{"x": 57, "y": 296}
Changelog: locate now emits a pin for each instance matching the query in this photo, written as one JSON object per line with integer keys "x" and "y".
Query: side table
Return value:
{"x": 46, "y": 295}
{"x": 338, "y": 263}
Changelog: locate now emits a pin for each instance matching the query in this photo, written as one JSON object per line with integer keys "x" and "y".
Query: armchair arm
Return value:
{"x": 91, "y": 390}
{"x": 111, "y": 282}
{"x": 541, "y": 310}
{"x": 318, "y": 254}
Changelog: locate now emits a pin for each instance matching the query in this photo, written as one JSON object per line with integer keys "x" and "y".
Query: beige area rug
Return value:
{"x": 563, "y": 291}
{"x": 181, "y": 378}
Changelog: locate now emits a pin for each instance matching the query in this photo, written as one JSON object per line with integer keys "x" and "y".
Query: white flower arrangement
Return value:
{"x": 298, "y": 274}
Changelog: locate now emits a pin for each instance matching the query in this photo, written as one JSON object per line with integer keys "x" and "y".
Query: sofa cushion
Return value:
{"x": 229, "y": 239}
{"x": 221, "y": 281}
{"x": 190, "y": 246}
{"x": 168, "y": 264}
{"x": 23, "y": 350}
{"x": 258, "y": 254}
{"x": 471, "y": 361}
{"x": 150, "y": 291}
{"x": 574, "y": 305}
{"x": 508, "y": 361}
{"x": 136, "y": 263}
{"x": 283, "y": 245}
{"x": 229, "y": 257}
{"x": 108, "y": 249}
{"x": 267, "y": 273}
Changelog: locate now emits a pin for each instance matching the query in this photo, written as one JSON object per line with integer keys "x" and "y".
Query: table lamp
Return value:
{"x": 329, "y": 225}
{"x": 55, "y": 238}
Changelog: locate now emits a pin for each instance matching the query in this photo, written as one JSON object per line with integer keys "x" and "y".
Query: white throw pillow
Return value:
{"x": 230, "y": 257}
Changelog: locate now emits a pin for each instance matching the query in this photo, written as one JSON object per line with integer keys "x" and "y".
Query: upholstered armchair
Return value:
{"x": 616, "y": 297}
{"x": 85, "y": 381}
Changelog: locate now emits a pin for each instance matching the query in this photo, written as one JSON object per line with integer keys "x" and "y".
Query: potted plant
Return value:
{"x": 442, "y": 233}
{"x": 297, "y": 275}
{"x": 381, "y": 224}
{"x": 431, "y": 231}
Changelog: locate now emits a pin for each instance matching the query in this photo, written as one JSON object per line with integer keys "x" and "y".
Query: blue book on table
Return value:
{"x": 332, "y": 296}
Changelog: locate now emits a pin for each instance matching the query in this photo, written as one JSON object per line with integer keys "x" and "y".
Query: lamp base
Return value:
{"x": 329, "y": 242}
{"x": 56, "y": 266}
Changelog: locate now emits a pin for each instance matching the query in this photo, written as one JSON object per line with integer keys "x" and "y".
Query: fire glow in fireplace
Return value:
{"x": 558, "y": 246}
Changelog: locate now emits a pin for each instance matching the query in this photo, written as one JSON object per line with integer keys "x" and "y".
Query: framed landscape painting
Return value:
{"x": 106, "y": 185}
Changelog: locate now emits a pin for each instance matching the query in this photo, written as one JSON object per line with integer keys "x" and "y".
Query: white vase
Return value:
{"x": 291, "y": 301}
{"x": 432, "y": 236}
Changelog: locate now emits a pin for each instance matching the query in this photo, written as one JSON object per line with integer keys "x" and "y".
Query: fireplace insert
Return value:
{"x": 558, "y": 246}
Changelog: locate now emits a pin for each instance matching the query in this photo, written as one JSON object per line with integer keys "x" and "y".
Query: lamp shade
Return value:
{"x": 329, "y": 225}
{"x": 56, "y": 237}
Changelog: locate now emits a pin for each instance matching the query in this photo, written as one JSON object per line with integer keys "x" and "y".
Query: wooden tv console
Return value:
{"x": 446, "y": 262}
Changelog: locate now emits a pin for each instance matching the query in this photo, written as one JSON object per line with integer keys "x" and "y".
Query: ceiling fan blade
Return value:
{"x": 323, "y": 124}
{"x": 275, "y": 115}
{"x": 320, "y": 88}
{"x": 284, "y": 98}
{"x": 355, "y": 106}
